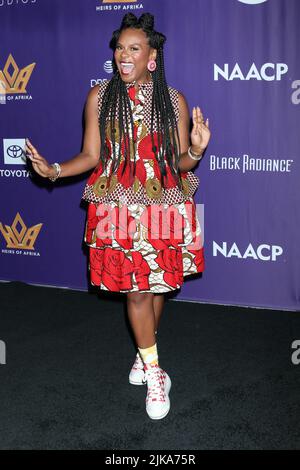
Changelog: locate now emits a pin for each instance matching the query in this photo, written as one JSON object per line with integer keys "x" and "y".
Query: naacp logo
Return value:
{"x": 268, "y": 72}
{"x": 19, "y": 238}
{"x": 263, "y": 252}
{"x": 14, "y": 79}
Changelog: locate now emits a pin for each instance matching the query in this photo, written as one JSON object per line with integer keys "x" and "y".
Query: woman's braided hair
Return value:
{"x": 116, "y": 97}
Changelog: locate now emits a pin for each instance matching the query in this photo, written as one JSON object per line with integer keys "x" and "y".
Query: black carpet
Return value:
{"x": 65, "y": 381}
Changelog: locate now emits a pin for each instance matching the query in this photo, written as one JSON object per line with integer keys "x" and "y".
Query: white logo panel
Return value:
{"x": 14, "y": 151}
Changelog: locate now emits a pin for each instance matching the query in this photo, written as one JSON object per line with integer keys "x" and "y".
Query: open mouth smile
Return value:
{"x": 126, "y": 67}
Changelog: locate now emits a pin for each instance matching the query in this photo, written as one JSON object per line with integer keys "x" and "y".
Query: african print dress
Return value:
{"x": 141, "y": 236}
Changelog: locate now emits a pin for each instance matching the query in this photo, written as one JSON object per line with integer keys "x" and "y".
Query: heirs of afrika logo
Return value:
{"x": 15, "y": 80}
{"x": 118, "y": 5}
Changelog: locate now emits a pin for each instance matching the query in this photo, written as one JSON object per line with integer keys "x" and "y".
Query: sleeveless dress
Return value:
{"x": 142, "y": 237}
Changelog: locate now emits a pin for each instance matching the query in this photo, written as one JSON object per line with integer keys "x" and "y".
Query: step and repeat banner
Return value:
{"x": 237, "y": 59}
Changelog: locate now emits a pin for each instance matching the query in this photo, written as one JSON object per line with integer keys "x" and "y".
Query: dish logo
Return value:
{"x": 268, "y": 72}
{"x": 252, "y": 2}
{"x": 263, "y": 252}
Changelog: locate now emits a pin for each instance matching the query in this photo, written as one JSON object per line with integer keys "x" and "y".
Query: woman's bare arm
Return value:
{"x": 200, "y": 135}
{"x": 88, "y": 157}
{"x": 185, "y": 162}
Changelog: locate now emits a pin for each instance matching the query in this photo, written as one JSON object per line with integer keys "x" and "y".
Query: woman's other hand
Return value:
{"x": 200, "y": 134}
{"x": 40, "y": 165}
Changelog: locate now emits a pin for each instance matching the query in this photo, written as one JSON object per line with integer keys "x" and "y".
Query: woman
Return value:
{"x": 137, "y": 141}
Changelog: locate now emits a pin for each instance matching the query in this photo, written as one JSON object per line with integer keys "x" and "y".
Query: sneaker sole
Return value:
{"x": 136, "y": 383}
{"x": 167, "y": 390}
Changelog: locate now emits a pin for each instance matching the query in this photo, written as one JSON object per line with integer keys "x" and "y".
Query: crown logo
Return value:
{"x": 20, "y": 239}
{"x": 15, "y": 80}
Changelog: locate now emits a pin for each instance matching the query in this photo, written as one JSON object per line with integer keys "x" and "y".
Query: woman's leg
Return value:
{"x": 141, "y": 315}
{"x": 158, "y": 305}
{"x": 142, "y": 318}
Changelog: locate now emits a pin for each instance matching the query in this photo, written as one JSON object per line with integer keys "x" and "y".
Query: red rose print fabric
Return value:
{"x": 143, "y": 248}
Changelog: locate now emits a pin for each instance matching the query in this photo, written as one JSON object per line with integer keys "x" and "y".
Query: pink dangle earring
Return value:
{"x": 151, "y": 65}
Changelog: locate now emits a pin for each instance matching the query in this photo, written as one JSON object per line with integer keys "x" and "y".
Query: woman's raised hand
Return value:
{"x": 40, "y": 165}
{"x": 200, "y": 134}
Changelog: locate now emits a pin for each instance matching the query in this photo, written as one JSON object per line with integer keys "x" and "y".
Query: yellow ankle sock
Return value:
{"x": 149, "y": 355}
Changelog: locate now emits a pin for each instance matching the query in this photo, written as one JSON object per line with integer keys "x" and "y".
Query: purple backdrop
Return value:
{"x": 236, "y": 59}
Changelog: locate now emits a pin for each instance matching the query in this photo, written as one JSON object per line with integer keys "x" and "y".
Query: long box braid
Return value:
{"x": 116, "y": 107}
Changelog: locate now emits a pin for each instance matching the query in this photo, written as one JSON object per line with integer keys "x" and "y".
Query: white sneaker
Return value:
{"x": 157, "y": 400}
{"x": 137, "y": 373}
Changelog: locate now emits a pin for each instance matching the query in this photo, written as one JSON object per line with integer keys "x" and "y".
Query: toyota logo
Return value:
{"x": 14, "y": 151}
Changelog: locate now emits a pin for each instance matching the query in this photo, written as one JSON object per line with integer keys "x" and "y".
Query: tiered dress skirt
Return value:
{"x": 142, "y": 247}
